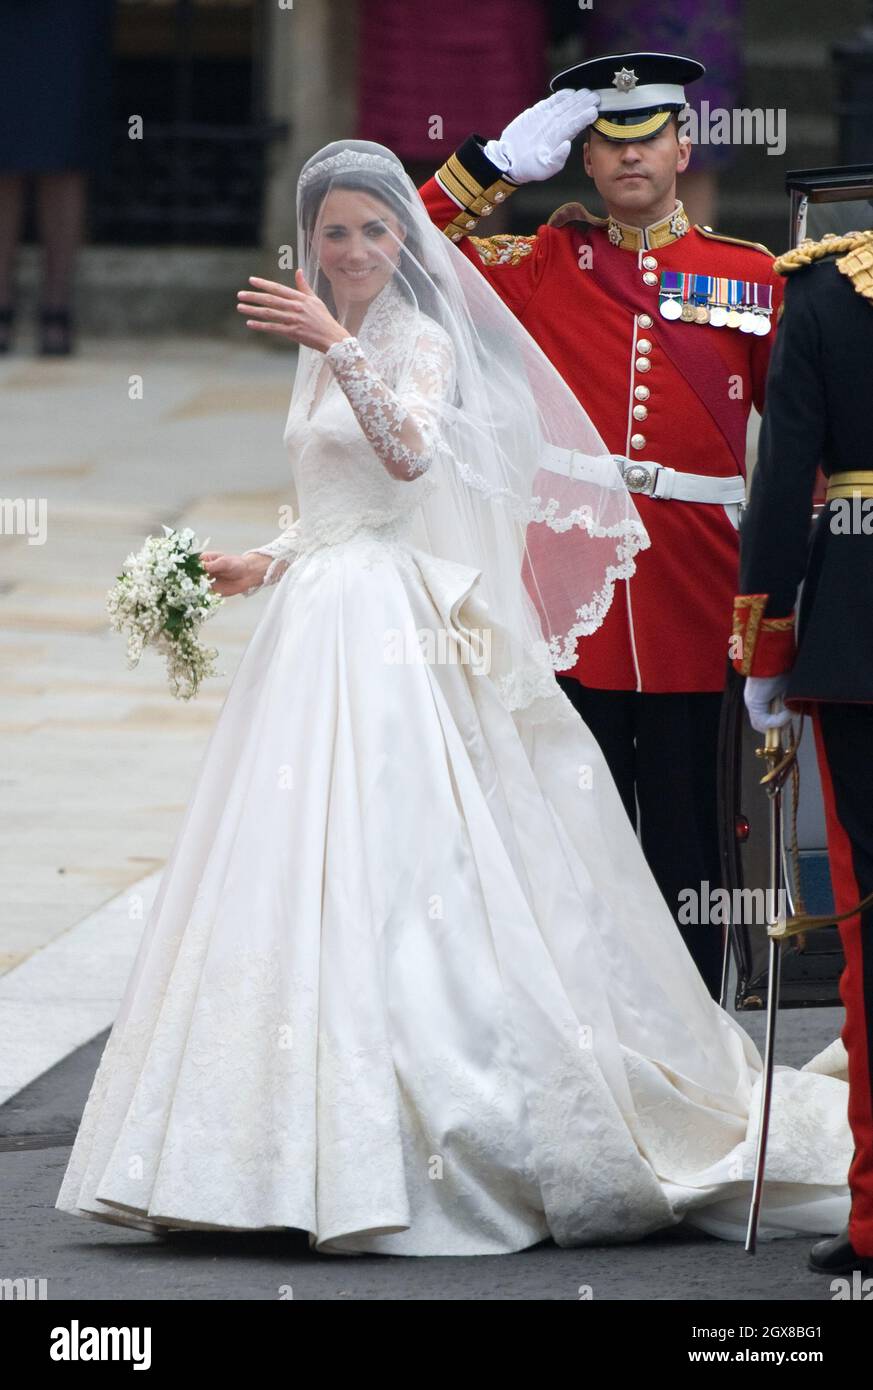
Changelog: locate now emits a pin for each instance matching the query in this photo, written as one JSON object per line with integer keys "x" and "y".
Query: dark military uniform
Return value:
{"x": 818, "y": 413}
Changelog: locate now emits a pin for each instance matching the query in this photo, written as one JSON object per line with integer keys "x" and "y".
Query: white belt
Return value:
{"x": 643, "y": 475}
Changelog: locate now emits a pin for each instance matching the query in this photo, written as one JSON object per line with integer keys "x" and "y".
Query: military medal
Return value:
{"x": 762, "y": 310}
{"x": 688, "y": 312}
{"x": 701, "y": 294}
{"x": 717, "y": 308}
{"x": 747, "y": 318}
{"x": 670, "y": 294}
{"x": 733, "y": 294}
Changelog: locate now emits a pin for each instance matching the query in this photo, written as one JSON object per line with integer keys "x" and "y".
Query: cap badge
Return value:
{"x": 625, "y": 80}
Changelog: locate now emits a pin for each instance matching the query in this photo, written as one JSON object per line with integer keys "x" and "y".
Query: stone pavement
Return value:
{"x": 97, "y": 452}
{"x": 98, "y": 759}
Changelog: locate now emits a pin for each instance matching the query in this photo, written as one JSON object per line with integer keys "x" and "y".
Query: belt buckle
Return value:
{"x": 639, "y": 477}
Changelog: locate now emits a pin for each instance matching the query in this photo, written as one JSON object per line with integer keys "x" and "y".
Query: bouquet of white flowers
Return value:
{"x": 162, "y": 596}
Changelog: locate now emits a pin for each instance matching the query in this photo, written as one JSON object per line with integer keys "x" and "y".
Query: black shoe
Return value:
{"x": 836, "y": 1255}
{"x": 55, "y": 332}
{"x": 7, "y": 319}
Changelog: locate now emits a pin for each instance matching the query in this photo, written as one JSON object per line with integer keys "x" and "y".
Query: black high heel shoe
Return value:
{"x": 7, "y": 319}
{"x": 55, "y": 332}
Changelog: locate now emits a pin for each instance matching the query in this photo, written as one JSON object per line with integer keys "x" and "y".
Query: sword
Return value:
{"x": 779, "y": 765}
{"x": 725, "y": 966}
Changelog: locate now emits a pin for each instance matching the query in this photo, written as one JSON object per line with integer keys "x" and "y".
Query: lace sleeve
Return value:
{"x": 281, "y": 550}
{"x": 402, "y": 425}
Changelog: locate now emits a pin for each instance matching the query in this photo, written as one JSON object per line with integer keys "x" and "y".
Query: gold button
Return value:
{"x": 471, "y": 223}
{"x": 642, "y": 393}
{"x": 644, "y": 346}
{"x": 638, "y": 441}
{"x": 644, "y": 320}
{"x": 640, "y": 412}
{"x": 650, "y": 278}
{"x": 650, "y": 262}
{"x": 486, "y": 208}
{"x": 498, "y": 197}
{"x": 642, "y": 364}
{"x": 456, "y": 236}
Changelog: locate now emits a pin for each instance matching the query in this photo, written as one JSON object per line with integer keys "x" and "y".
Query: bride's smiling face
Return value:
{"x": 358, "y": 244}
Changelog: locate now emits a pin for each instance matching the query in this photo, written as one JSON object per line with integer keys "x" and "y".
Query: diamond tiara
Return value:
{"x": 350, "y": 159}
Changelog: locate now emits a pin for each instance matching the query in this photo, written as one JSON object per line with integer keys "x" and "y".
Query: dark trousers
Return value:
{"x": 844, "y": 745}
{"x": 662, "y": 752}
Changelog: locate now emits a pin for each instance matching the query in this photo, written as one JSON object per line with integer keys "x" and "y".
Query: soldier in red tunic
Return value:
{"x": 663, "y": 330}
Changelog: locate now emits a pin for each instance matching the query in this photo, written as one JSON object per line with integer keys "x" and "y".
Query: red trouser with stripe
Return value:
{"x": 844, "y": 744}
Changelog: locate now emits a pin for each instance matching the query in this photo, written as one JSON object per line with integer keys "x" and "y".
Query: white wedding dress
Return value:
{"x": 408, "y": 984}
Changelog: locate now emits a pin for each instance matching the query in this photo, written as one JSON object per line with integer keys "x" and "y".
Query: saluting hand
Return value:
{"x": 536, "y": 144}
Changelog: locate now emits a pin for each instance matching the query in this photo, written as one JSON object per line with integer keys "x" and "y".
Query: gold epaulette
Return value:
{"x": 855, "y": 251}
{"x": 808, "y": 250}
{"x": 858, "y": 264}
{"x": 734, "y": 240}
{"x": 575, "y": 212}
{"x": 503, "y": 248}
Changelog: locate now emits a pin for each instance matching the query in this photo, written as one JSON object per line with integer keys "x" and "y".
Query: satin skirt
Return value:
{"x": 408, "y": 984}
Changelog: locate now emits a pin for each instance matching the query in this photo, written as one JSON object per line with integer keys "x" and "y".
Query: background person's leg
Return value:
{"x": 12, "y": 200}
{"x": 60, "y": 212}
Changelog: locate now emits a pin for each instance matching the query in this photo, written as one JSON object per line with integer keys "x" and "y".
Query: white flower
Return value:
{"x": 157, "y": 603}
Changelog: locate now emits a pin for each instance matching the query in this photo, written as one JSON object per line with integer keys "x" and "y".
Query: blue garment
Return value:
{"x": 55, "y": 84}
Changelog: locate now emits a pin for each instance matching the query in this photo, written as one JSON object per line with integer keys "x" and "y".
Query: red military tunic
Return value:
{"x": 668, "y": 626}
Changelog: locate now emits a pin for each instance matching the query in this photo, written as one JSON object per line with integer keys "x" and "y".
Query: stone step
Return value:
{"x": 148, "y": 290}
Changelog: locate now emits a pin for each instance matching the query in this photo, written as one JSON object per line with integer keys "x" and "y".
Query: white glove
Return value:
{"x": 536, "y": 144}
{"x": 760, "y": 691}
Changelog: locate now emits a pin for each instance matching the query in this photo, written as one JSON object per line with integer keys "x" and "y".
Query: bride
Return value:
{"x": 408, "y": 983}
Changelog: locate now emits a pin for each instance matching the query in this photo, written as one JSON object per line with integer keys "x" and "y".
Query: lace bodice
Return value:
{"x": 362, "y": 443}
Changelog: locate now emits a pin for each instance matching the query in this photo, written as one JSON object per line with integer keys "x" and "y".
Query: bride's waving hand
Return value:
{"x": 402, "y": 425}
{"x": 297, "y": 314}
